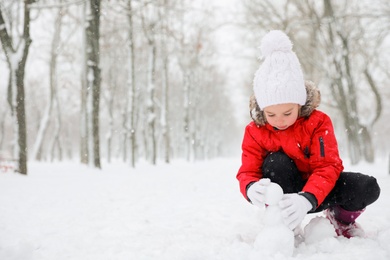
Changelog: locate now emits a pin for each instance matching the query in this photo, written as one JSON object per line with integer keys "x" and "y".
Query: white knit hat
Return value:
{"x": 279, "y": 79}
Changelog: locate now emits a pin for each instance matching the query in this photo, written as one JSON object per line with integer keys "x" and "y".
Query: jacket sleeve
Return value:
{"x": 252, "y": 160}
{"x": 325, "y": 162}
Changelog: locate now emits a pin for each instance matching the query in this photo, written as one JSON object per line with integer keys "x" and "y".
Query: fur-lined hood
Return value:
{"x": 312, "y": 102}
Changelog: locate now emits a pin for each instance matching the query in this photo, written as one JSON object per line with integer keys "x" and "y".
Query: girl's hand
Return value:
{"x": 294, "y": 209}
{"x": 256, "y": 192}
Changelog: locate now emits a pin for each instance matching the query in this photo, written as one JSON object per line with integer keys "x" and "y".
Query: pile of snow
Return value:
{"x": 178, "y": 211}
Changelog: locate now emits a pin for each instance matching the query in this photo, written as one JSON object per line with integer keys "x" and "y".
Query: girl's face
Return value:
{"x": 282, "y": 116}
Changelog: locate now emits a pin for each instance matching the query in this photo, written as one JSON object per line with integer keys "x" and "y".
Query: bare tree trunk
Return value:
{"x": 38, "y": 146}
{"x": 152, "y": 145}
{"x": 2, "y": 128}
{"x": 369, "y": 152}
{"x": 56, "y": 143}
{"x": 68, "y": 140}
{"x": 93, "y": 81}
{"x": 84, "y": 156}
{"x": 16, "y": 58}
{"x": 197, "y": 129}
{"x": 109, "y": 134}
{"x": 165, "y": 86}
{"x": 130, "y": 126}
{"x": 151, "y": 148}
{"x": 165, "y": 109}
{"x": 186, "y": 119}
{"x": 110, "y": 105}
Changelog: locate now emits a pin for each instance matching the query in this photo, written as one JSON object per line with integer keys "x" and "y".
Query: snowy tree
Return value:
{"x": 165, "y": 119}
{"x": 347, "y": 59}
{"x": 53, "y": 98}
{"x": 154, "y": 64}
{"x": 130, "y": 112}
{"x": 92, "y": 83}
{"x": 16, "y": 47}
{"x": 149, "y": 21}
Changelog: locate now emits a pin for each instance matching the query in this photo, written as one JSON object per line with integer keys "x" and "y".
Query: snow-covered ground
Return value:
{"x": 178, "y": 211}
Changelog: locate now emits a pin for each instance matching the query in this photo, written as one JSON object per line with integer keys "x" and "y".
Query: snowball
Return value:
{"x": 275, "y": 239}
{"x": 318, "y": 229}
{"x": 274, "y": 194}
{"x": 273, "y": 216}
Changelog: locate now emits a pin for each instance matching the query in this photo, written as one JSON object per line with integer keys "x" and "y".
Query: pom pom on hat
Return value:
{"x": 275, "y": 41}
{"x": 279, "y": 79}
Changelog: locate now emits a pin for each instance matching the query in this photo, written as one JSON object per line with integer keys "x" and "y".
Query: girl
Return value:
{"x": 291, "y": 143}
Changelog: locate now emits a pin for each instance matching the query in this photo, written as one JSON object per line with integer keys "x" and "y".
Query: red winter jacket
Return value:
{"x": 310, "y": 142}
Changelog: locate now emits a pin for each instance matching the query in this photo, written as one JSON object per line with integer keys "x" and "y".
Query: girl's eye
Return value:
{"x": 270, "y": 115}
{"x": 287, "y": 114}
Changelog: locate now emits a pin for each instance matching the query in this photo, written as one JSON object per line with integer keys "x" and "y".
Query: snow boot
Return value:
{"x": 344, "y": 221}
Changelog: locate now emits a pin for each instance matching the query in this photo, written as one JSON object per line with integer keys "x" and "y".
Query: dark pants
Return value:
{"x": 353, "y": 191}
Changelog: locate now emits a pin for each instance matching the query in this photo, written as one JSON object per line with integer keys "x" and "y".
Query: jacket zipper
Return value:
{"x": 322, "y": 147}
{"x": 306, "y": 152}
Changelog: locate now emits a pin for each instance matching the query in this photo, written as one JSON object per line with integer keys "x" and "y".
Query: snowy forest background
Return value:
{"x": 102, "y": 80}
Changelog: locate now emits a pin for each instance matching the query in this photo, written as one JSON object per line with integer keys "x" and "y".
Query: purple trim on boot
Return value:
{"x": 346, "y": 216}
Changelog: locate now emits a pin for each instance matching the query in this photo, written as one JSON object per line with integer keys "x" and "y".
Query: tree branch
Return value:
{"x": 376, "y": 94}
{"x": 59, "y": 5}
{"x": 5, "y": 39}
